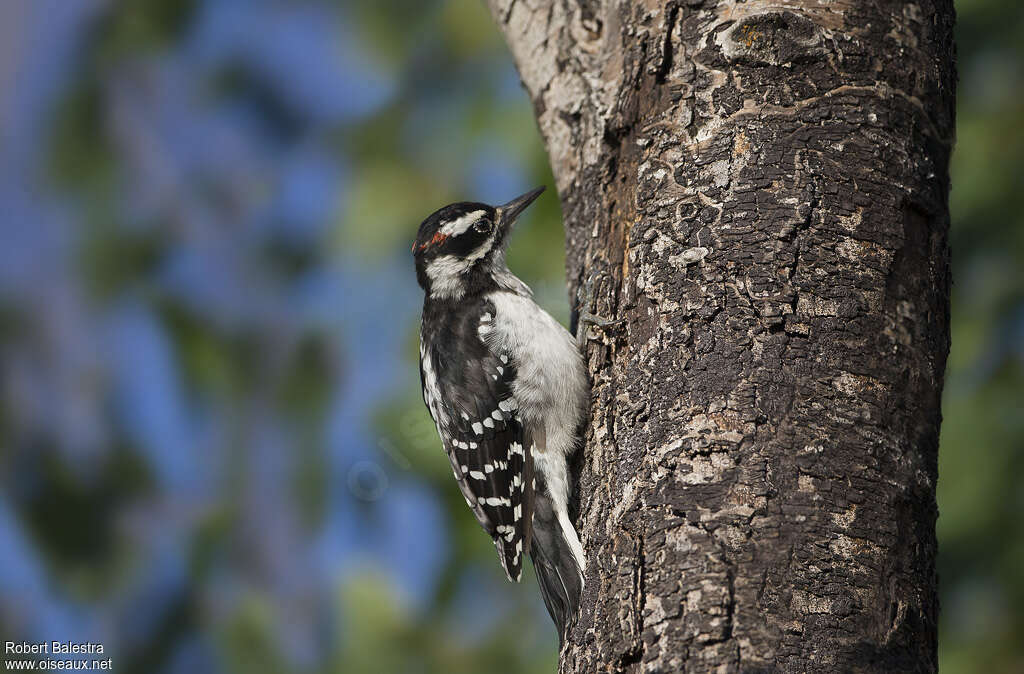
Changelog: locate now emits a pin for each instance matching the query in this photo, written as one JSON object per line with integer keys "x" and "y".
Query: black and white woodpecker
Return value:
{"x": 506, "y": 387}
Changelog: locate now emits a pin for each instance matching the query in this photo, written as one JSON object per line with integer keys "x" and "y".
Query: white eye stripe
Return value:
{"x": 460, "y": 225}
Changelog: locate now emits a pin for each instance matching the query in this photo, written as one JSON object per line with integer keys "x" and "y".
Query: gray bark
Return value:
{"x": 759, "y": 192}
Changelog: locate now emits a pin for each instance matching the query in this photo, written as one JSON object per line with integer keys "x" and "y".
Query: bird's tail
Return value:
{"x": 558, "y": 560}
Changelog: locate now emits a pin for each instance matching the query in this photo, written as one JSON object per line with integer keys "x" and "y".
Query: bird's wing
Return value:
{"x": 471, "y": 400}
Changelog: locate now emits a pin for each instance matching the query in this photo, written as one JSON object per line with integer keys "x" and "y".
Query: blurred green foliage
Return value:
{"x": 981, "y": 457}
{"x": 191, "y": 241}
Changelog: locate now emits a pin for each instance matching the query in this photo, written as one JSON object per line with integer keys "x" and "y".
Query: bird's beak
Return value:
{"x": 507, "y": 213}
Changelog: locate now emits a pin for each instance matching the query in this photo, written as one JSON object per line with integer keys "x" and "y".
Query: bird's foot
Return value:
{"x": 588, "y": 320}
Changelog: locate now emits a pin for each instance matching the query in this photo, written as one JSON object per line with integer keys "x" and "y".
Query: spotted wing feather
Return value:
{"x": 469, "y": 395}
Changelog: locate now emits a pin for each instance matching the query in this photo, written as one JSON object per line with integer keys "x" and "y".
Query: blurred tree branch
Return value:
{"x": 761, "y": 194}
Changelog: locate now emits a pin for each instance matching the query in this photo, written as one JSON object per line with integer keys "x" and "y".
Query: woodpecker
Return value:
{"x": 505, "y": 385}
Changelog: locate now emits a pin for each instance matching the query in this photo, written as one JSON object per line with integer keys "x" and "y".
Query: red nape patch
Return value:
{"x": 438, "y": 238}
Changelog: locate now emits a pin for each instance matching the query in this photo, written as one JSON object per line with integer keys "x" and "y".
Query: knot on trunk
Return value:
{"x": 772, "y": 38}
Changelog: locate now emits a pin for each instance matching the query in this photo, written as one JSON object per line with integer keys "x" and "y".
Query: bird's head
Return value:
{"x": 461, "y": 247}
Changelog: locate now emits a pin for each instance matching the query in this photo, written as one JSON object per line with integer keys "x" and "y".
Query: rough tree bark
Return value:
{"x": 758, "y": 190}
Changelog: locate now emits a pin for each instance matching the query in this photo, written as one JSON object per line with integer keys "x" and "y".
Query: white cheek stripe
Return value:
{"x": 445, "y": 275}
{"x": 446, "y": 272}
{"x": 446, "y": 266}
{"x": 456, "y": 227}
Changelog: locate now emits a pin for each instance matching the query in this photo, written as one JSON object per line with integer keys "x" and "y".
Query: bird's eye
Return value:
{"x": 483, "y": 225}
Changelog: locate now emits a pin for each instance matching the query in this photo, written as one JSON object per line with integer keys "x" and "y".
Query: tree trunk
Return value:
{"x": 758, "y": 191}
